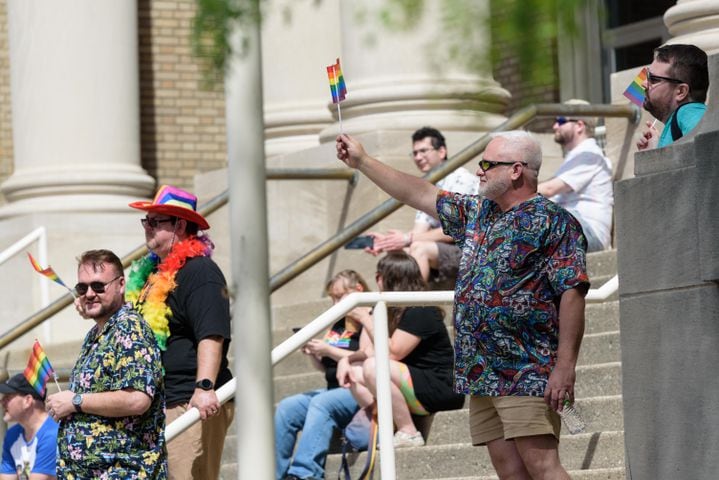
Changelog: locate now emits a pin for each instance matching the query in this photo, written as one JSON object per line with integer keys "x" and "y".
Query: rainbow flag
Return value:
{"x": 337, "y": 82}
{"x": 48, "y": 272}
{"x": 635, "y": 91}
{"x": 38, "y": 370}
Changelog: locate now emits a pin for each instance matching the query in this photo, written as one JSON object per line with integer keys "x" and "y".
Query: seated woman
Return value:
{"x": 420, "y": 352}
{"x": 317, "y": 412}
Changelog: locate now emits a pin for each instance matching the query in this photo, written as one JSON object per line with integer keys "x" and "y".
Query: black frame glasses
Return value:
{"x": 155, "y": 222}
{"x": 485, "y": 164}
{"x": 97, "y": 287}
{"x": 654, "y": 79}
{"x": 562, "y": 120}
{"x": 421, "y": 151}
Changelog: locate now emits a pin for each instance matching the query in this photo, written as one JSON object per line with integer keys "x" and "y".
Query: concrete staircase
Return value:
{"x": 449, "y": 455}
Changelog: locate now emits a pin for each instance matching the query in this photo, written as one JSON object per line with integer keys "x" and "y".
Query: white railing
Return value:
{"x": 38, "y": 235}
{"x": 379, "y": 300}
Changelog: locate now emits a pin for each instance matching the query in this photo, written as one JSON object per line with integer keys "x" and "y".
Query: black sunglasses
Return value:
{"x": 154, "y": 222}
{"x": 485, "y": 165}
{"x": 654, "y": 79}
{"x": 562, "y": 120}
{"x": 97, "y": 287}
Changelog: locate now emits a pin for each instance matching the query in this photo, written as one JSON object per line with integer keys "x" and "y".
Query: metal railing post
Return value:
{"x": 384, "y": 392}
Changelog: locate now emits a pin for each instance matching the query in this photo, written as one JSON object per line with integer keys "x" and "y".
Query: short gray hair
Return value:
{"x": 522, "y": 146}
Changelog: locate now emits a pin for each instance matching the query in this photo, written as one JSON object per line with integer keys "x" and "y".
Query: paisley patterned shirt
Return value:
{"x": 123, "y": 355}
{"x": 515, "y": 266}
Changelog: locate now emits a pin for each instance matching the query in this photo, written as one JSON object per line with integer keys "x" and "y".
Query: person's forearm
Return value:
{"x": 433, "y": 235}
{"x": 571, "y": 327}
{"x": 209, "y": 357}
{"x": 119, "y": 403}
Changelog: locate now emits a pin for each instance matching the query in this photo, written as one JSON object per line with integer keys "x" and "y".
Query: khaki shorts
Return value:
{"x": 491, "y": 418}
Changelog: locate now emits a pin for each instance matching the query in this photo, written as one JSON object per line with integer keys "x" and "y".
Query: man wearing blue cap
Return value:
{"x": 30, "y": 447}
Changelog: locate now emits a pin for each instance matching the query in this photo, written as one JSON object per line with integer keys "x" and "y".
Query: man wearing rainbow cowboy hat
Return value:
{"x": 182, "y": 294}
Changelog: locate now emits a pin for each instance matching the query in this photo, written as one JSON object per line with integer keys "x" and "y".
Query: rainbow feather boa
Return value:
{"x": 151, "y": 281}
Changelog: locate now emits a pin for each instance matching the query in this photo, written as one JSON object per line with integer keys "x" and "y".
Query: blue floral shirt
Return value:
{"x": 515, "y": 265}
{"x": 123, "y": 355}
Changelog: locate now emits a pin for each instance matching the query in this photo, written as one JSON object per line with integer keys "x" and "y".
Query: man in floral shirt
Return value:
{"x": 112, "y": 423}
{"x": 519, "y": 298}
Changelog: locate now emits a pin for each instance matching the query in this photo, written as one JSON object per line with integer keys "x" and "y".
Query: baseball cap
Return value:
{"x": 19, "y": 384}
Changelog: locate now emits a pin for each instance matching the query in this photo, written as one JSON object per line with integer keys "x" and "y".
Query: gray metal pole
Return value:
{"x": 250, "y": 270}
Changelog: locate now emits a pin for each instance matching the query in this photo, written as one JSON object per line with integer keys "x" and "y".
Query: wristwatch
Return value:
{"x": 77, "y": 402}
{"x": 205, "y": 384}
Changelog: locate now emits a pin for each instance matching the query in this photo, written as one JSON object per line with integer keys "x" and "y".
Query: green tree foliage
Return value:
{"x": 522, "y": 29}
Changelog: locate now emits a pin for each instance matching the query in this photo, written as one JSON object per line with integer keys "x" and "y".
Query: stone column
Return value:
{"x": 402, "y": 79}
{"x": 75, "y": 103}
{"x": 695, "y": 22}
{"x": 299, "y": 40}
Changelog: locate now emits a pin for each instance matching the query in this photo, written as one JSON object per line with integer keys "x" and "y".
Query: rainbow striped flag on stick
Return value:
{"x": 337, "y": 82}
{"x": 635, "y": 91}
{"x": 337, "y": 87}
{"x": 49, "y": 273}
{"x": 39, "y": 370}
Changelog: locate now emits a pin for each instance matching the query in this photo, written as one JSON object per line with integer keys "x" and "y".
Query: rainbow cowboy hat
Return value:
{"x": 175, "y": 202}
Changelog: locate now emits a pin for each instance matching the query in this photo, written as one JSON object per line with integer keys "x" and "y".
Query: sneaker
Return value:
{"x": 404, "y": 439}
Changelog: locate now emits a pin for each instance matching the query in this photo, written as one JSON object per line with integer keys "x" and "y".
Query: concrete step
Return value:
{"x": 592, "y": 380}
{"x": 596, "y": 348}
{"x": 585, "y": 451}
{"x": 617, "y": 473}
{"x": 600, "y": 414}
{"x": 602, "y": 263}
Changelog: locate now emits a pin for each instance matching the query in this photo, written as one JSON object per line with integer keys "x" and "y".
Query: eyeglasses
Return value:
{"x": 421, "y": 151}
{"x": 97, "y": 287}
{"x": 562, "y": 120}
{"x": 154, "y": 222}
{"x": 654, "y": 79}
{"x": 485, "y": 165}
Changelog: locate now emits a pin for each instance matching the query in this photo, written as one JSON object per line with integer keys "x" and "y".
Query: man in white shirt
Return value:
{"x": 437, "y": 255}
{"x": 583, "y": 183}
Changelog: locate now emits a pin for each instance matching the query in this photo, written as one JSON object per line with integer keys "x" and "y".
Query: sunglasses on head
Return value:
{"x": 562, "y": 120}
{"x": 97, "y": 287}
{"x": 654, "y": 79}
{"x": 155, "y": 222}
{"x": 485, "y": 164}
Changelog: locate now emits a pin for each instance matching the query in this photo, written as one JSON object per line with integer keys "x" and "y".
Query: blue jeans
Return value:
{"x": 316, "y": 413}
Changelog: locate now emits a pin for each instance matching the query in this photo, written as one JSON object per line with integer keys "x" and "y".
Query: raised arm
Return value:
{"x": 406, "y": 188}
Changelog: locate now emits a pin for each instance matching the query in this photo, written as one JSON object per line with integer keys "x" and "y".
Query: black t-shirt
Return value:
{"x": 338, "y": 337}
{"x": 200, "y": 308}
{"x": 431, "y": 363}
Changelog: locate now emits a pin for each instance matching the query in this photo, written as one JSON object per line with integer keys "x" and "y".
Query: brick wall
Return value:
{"x": 508, "y": 74}
{"x": 182, "y": 124}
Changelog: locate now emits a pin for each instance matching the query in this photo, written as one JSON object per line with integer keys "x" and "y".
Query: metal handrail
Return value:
{"x": 381, "y": 344}
{"x": 522, "y": 117}
{"x": 326, "y": 248}
{"x": 206, "y": 209}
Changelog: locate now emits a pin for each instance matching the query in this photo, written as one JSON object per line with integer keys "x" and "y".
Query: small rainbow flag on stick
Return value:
{"x": 49, "y": 273}
{"x": 337, "y": 87}
{"x": 635, "y": 91}
{"x": 39, "y": 370}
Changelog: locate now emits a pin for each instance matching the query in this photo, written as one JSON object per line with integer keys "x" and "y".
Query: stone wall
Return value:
{"x": 6, "y": 149}
{"x": 668, "y": 259}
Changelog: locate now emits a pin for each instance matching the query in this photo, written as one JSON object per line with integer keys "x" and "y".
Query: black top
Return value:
{"x": 338, "y": 337}
{"x": 431, "y": 363}
{"x": 200, "y": 308}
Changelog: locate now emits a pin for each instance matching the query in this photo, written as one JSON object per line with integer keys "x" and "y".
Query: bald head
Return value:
{"x": 520, "y": 146}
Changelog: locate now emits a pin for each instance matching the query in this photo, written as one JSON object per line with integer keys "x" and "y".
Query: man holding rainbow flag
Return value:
{"x": 112, "y": 421}
{"x": 30, "y": 446}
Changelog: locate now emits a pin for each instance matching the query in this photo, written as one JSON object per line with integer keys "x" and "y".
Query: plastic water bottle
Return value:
{"x": 572, "y": 419}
